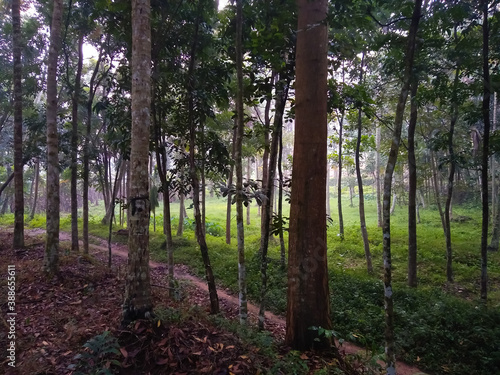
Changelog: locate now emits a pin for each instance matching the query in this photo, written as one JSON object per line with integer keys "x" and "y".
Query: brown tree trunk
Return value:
{"x": 242, "y": 279}
{"x": 195, "y": 183}
{"x": 51, "y": 259}
{"x": 229, "y": 195}
{"x": 74, "y": 147}
{"x": 485, "y": 154}
{"x": 249, "y": 161}
{"x": 280, "y": 201}
{"x": 339, "y": 182}
{"x": 180, "y": 227}
{"x": 389, "y": 171}
{"x": 412, "y": 189}
{"x": 377, "y": 178}
{"x": 18, "y": 239}
{"x": 35, "y": 194}
{"x": 138, "y": 303}
{"x": 308, "y": 302}
{"x": 362, "y": 219}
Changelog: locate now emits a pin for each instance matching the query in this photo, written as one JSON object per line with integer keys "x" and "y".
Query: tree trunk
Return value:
{"x": 10, "y": 178}
{"x": 451, "y": 175}
{"x": 119, "y": 174}
{"x": 51, "y": 259}
{"x": 242, "y": 282}
{"x": 394, "y": 200}
{"x": 138, "y": 303}
{"x": 180, "y": 227}
{"x": 389, "y": 171}
{"x": 339, "y": 182}
{"x": 495, "y": 236}
{"x": 308, "y": 302}
{"x": 377, "y": 178}
{"x": 412, "y": 189}
{"x": 280, "y": 201}
{"x": 485, "y": 155}
{"x": 18, "y": 239}
{"x": 229, "y": 183}
{"x": 74, "y": 148}
{"x": 35, "y": 195}
{"x": 248, "y": 179}
{"x": 362, "y": 219}
{"x": 280, "y": 99}
{"x": 200, "y": 233}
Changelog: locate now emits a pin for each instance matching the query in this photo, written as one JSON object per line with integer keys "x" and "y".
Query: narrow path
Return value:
{"x": 122, "y": 251}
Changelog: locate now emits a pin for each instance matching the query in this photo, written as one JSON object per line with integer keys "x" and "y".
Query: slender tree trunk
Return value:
{"x": 377, "y": 178}
{"x": 35, "y": 195}
{"x": 242, "y": 278}
{"x": 51, "y": 259}
{"x": 362, "y": 219}
{"x": 281, "y": 96}
{"x": 248, "y": 179}
{"x": 10, "y": 178}
{"x": 86, "y": 155}
{"x": 280, "y": 201}
{"x": 18, "y": 239}
{"x": 200, "y": 233}
{"x": 451, "y": 176}
{"x": 118, "y": 176}
{"x": 495, "y": 236}
{"x": 203, "y": 184}
{"x": 389, "y": 171}
{"x": 412, "y": 189}
{"x": 394, "y": 200}
{"x": 339, "y": 182}
{"x": 138, "y": 303}
{"x": 229, "y": 183}
{"x": 74, "y": 148}
{"x": 308, "y": 302}
{"x": 180, "y": 227}
{"x": 485, "y": 155}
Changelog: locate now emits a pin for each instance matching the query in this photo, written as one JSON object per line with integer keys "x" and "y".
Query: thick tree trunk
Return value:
{"x": 18, "y": 239}
{"x": 485, "y": 155}
{"x": 138, "y": 303}
{"x": 308, "y": 302}
{"x": 51, "y": 259}
{"x": 362, "y": 219}
{"x": 74, "y": 147}
{"x": 242, "y": 279}
{"x": 389, "y": 171}
{"x": 412, "y": 189}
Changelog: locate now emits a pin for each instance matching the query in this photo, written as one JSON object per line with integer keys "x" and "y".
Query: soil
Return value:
{"x": 55, "y": 318}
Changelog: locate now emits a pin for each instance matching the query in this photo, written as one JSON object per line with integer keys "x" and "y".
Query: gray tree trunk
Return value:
{"x": 51, "y": 259}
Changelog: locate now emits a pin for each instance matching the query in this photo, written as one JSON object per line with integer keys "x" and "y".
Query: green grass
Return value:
{"x": 440, "y": 327}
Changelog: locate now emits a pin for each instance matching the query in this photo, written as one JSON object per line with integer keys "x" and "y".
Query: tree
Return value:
{"x": 138, "y": 303}
{"x": 308, "y": 303}
{"x": 238, "y": 164}
{"x": 51, "y": 259}
{"x": 386, "y": 202}
{"x": 18, "y": 126}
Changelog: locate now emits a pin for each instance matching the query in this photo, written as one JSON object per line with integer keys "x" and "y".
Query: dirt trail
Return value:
{"x": 278, "y": 321}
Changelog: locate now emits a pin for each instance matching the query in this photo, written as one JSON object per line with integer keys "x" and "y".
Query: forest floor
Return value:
{"x": 55, "y": 318}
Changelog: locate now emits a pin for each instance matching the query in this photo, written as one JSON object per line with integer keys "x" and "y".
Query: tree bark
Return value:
{"x": 362, "y": 219}
{"x": 195, "y": 183}
{"x": 412, "y": 188}
{"x": 242, "y": 282}
{"x": 138, "y": 303}
{"x": 74, "y": 147}
{"x": 377, "y": 178}
{"x": 180, "y": 227}
{"x": 249, "y": 160}
{"x": 229, "y": 183}
{"x": 280, "y": 201}
{"x": 35, "y": 194}
{"x": 485, "y": 155}
{"x": 308, "y": 302}
{"x": 18, "y": 239}
{"x": 339, "y": 182}
{"x": 389, "y": 171}
{"x": 51, "y": 258}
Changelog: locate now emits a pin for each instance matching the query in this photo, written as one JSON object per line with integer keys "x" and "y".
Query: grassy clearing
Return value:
{"x": 441, "y": 327}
